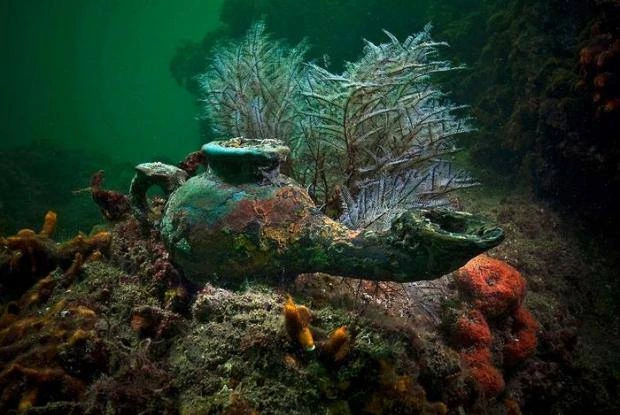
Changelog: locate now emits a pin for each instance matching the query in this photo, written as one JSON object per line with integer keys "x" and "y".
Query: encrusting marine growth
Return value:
{"x": 28, "y": 255}
{"x": 52, "y": 354}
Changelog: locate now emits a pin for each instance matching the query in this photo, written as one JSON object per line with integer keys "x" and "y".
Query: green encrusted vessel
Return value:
{"x": 243, "y": 219}
{"x": 239, "y": 161}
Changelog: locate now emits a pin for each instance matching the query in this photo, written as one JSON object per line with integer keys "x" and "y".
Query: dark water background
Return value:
{"x": 104, "y": 84}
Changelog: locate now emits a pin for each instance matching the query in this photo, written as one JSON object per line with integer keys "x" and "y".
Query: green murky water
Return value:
{"x": 94, "y": 75}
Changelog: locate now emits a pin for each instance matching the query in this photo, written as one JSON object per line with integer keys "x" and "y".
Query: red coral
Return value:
{"x": 476, "y": 356}
{"x": 495, "y": 287}
{"x": 496, "y": 291}
{"x": 522, "y": 342}
{"x": 487, "y": 377}
{"x": 472, "y": 330}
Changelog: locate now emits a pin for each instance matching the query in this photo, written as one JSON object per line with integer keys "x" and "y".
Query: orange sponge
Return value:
{"x": 338, "y": 345}
{"x": 296, "y": 319}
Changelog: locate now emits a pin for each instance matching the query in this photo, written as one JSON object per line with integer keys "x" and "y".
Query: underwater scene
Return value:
{"x": 329, "y": 207}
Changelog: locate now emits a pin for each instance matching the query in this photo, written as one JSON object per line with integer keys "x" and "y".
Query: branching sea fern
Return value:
{"x": 375, "y": 135}
{"x": 252, "y": 87}
{"x": 379, "y": 201}
{"x": 380, "y": 129}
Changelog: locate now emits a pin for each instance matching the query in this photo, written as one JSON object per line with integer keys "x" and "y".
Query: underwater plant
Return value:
{"x": 378, "y": 131}
{"x": 373, "y": 136}
{"x": 251, "y": 87}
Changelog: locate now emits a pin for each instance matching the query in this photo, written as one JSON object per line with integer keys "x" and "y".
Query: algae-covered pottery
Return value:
{"x": 243, "y": 219}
